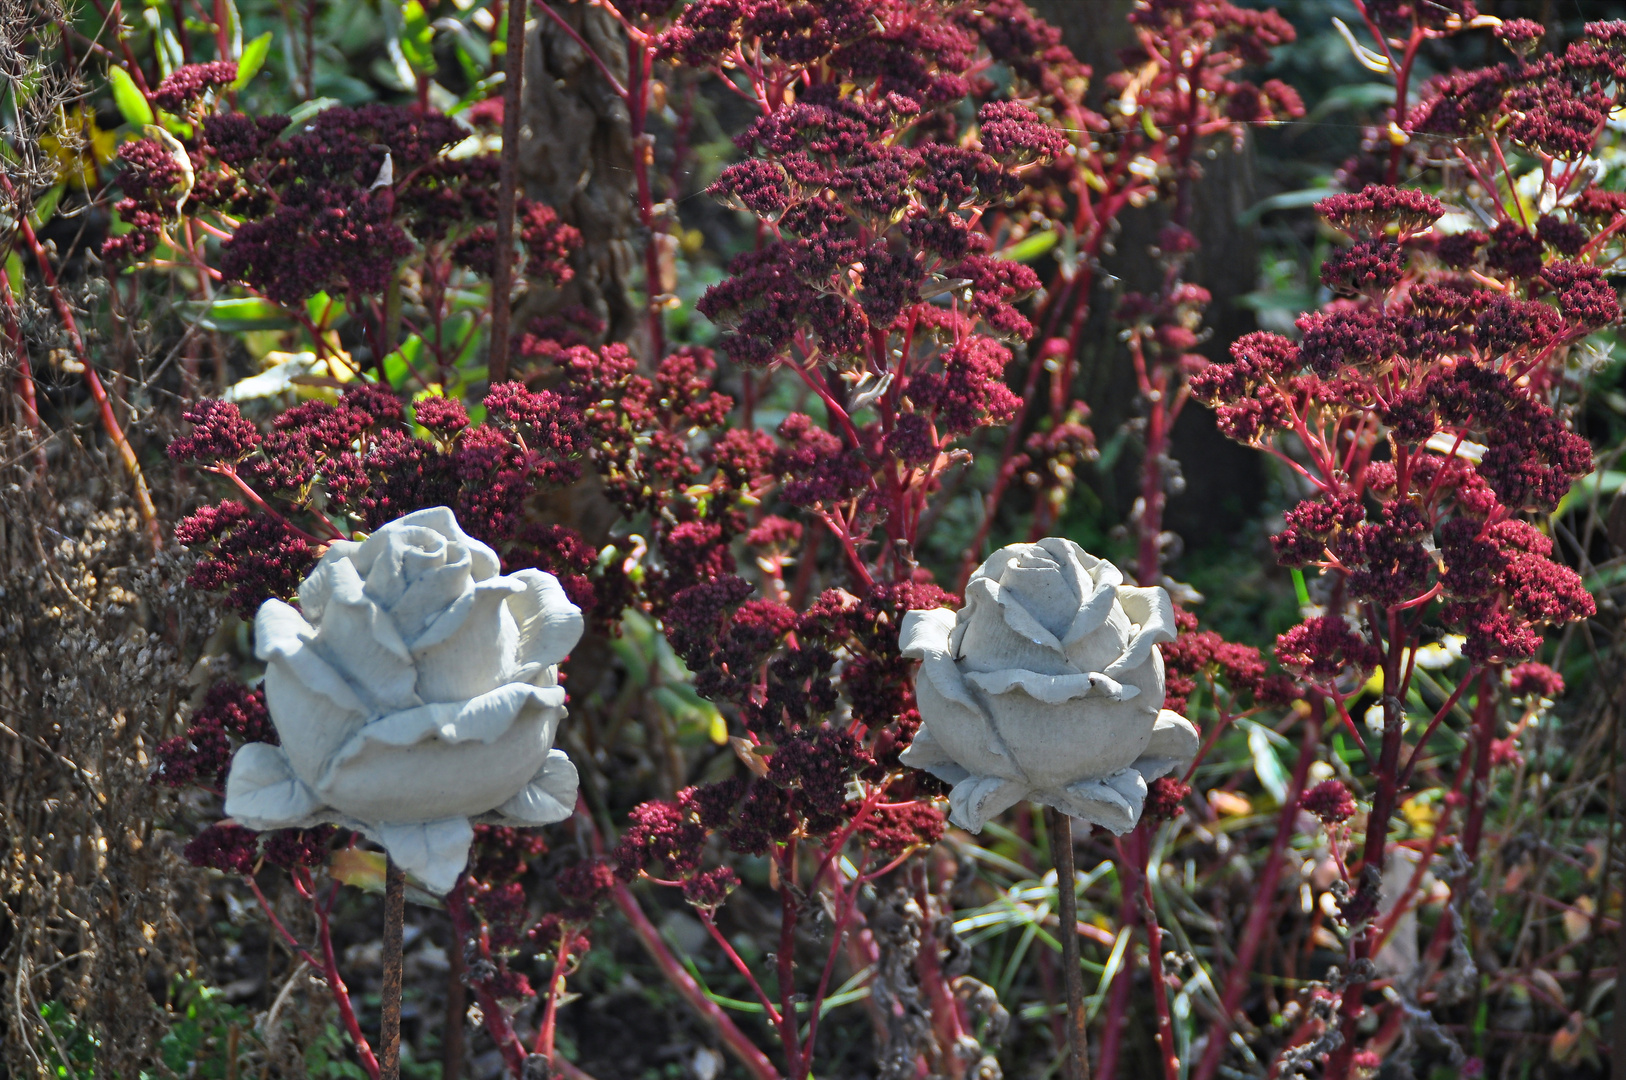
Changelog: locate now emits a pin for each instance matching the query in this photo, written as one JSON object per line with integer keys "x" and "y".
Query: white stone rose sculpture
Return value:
{"x": 414, "y": 689}
{"x": 1047, "y": 685}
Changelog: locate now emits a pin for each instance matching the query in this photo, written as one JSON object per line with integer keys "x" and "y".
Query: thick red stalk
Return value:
{"x": 1160, "y": 986}
{"x": 502, "y": 273}
{"x": 25, "y": 372}
{"x": 341, "y": 993}
{"x": 1264, "y": 908}
{"x": 104, "y": 407}
{"x": 640, "y": 62}
{"x": 1131, "y": 871}
{"x": 1384, "y": 801}
{"x": 744, "y": 1050}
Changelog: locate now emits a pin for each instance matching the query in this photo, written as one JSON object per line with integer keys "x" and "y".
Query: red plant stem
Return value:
{"x": 25, "y": 372}
{"x": 1417, "y": 751}
{"x": 451, "y": 1067}
{"x": 741, "y": 966}
{"x": 550, "y": 1007}
{"x": 1402, "y": 86}
{"x": 293, "y": 943}
{"x": 744, "y": 1050}
{"x": 115, "y": 18}
{"x": 1160, "y": 986}
{"x": 254, "y": 497}
{"x": 944, "y": 1008}
{"x": 1149, "y": 556}
{"x": 502, "y": 272}
{"x": 1478, "y": 794}
{"x": 789, "y": 909}
{"x": 341, "y": 993}
{"x": 496, "y": 1018}
{"x": 1131, "y": 863}
{"x": 110, "y": 423}
{"x": 1236, "y": 980}
{"x": 640, "y": 63}
{"x": 1384, "y": 801}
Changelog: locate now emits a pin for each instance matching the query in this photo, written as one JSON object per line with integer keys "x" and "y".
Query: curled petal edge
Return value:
{"x": 262, "y": 791}
{"x": 282, "y": 635}
{"x": 548, "y": 798}
{"x": 1152, "y": 612}
{"x": 924, "y": 636}
{"x": 549, "y": 624}
{"x": 1051, "y": 689}
{"x": 925, "y": 752}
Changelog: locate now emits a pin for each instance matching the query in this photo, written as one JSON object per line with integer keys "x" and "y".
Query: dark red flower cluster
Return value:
{"x": 1203, "y": 653}
{"x": 1221, "y": 37}
{"x": 1553, "y": 105}
{"x": 337, "y": 204}
{"x": 226, "y": 847}
{"x": 359, "y": 458}
{"x": 290, "y": 848}
{"x": 153, "y": 183}
{"x": 1325, "y": 647}
{"x": 1165, "y": 798}
{"x": 870, "y": 225}
{"x": 1330, "y": 801}
{"x": 202, "y": 755}
{"x": 190, "y": 82}
{"x": 1535, "y": 680}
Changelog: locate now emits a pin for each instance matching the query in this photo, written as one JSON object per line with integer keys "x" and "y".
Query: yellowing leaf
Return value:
{"x": 1578, "y": 921}
{"x": 1229, "y": 804}
{"x": 360, "y": 869}
{"x": 1421, "y": 814}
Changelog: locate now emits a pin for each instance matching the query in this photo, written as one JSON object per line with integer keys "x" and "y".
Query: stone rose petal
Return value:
{"x": 549, "y": 624}
{"x": 925, "y": 752}
{"x": 263, "y": 792}
{"x": 470, "y": 648}
{"x": 317, "y": 587}
{"x": 956, "y": 720}
{"x": 1174, "y": 746}
{"x": 360, "y": 640}
{"x": 417, "y": 691}
{"x": 923, "y": 636}
{"x": 1051, "y": 689}
{"x": 482, "y": 719}
{"x": 434, "y": 762}
{"x": 1048, "y": 590}
{"x": 994, "y": 631}
{"x": 434, "y": 852}
{"x": 549, "y": 797}
{"x": 1151, "y": 612}
{"x": 314, "y": 708}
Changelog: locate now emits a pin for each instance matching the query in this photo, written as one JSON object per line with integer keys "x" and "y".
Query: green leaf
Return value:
{"x": 400, "y": 364}
{"x": 132, "y": 105}
{"x": 1266, "y": 765}
{"x": 1598, "y": 482}
{"x": 1030, "y": 248}
{"x": 320, "y": 307}
{"x": 14, "y": 274}
{"x": 45, "y": 208}
{"x": 1287, "y": 200}
{"x": 246, "y": 313}
{"x": 254, "y": 54}
{"x": 297, "y": 118}
{"x": 1300, "y": 589}
{"x": 417, "y": 38}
